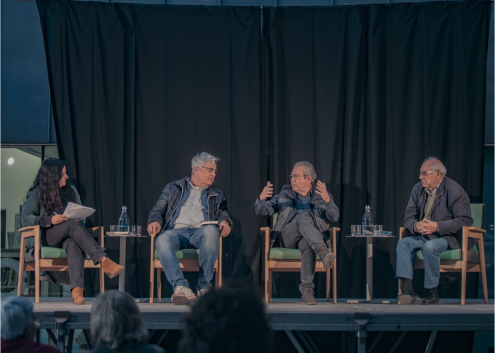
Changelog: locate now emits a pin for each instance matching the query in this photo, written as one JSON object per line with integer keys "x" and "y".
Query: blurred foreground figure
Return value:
{"x": 18, "y": 328}
{"x": 117, "y": 326}
{"x": 227, "y": 320}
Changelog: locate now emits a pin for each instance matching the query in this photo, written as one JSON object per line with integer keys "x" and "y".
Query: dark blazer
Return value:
{"x": 451, "y": 210}
{"x": 173, "y": 196}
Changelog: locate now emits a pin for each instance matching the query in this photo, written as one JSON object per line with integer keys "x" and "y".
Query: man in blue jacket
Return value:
{"x": 438, "y": 208}
{"x": 178, "y": 216}
{"x": 305, "y": 210}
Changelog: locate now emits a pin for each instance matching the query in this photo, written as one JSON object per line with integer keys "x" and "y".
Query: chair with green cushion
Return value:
{"x": 278, "y": 259}
{"x": 189, "y": 262}
{"x": 456, "y": 260}
{"x": 51, "y": 259}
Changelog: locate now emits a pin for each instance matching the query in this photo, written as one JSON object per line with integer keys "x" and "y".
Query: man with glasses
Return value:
{"x": 305, "y": 209}
{"x": 179, "y": 214}
{"x": 438, "y": 207}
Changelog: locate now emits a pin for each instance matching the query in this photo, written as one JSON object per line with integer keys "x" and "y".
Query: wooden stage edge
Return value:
{"x": 291, "y": 314}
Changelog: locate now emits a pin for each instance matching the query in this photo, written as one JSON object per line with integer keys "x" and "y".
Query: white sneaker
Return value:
{"x": 183, "y": 296}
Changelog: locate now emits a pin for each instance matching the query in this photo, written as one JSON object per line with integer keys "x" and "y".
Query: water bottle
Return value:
{"x": 367, "y": 222}
{"x": 124, "y": 220}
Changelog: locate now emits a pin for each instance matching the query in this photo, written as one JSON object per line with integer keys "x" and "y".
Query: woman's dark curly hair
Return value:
{"x": 51, "y": 196}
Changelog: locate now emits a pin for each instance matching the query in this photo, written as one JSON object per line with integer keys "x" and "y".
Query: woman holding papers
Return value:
{"x": 45, "y": 204}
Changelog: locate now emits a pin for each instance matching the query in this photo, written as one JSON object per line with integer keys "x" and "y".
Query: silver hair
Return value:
{"x": 116, "y": 321}
{"x": 17, "y": 317}
{"x": 437, "y": 165}
{"x": 308, "y": 170}
{"x": 200, "y": 159}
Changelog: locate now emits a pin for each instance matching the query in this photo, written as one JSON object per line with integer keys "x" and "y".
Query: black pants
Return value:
{"x": 301, "y": 233}
{"x": 73, "y": 237}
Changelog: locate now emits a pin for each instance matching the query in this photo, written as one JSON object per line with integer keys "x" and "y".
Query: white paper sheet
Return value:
{"x": 77, "y": 212}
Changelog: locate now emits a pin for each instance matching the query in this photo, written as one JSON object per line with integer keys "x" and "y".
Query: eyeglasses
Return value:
{"x": 210, "y": 170}
{"x": 296, "y": 176}
{"x": 425, "y": 173}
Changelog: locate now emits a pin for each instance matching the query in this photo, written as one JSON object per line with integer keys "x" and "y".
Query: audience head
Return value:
{"x": 432, "y": 172}
{"x": 227, "y": 320}
{"x": 204, "y": 169}
{"x": 52, "y": 182}
{"x": 116, "y": 321}
{"x": 17, "y": 318}
{"x": 302, "y": 177}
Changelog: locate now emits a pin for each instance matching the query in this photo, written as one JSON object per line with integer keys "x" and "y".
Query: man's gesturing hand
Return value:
{"x": 321, "y": 189}
{"x": 267, "y": 191}
{"x": 224, "y": 228}
{"x": 154, "y": 228}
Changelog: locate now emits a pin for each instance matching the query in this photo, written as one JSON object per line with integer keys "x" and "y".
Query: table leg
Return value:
{"x": 122, "y": 262}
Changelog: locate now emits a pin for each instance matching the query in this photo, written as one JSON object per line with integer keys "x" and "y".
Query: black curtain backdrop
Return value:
{"x": 365, "y": 93}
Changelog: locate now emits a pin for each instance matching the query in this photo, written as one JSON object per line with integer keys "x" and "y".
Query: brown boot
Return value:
{"x": 78, "y": 296}
{"x": 111, "y": 268}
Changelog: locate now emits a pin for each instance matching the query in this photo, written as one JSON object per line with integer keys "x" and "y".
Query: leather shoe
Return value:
{"x": 111, "y": 268}
{"x": 308, "y": 297}
{"x": 78, "y": 296}
{"x": 431, "y": 298}
{"x": 409, "y": 298}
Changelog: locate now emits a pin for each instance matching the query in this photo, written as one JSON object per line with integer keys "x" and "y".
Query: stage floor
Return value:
{"x": 291, "y": 314}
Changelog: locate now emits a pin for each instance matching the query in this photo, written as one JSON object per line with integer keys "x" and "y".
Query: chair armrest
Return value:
{"x": 333, "y": 234}
{"x": 404, "y": 233}
{"x": 266, "y": 231}
{"x": 30, "y": 231}
{"x": 98, "y": 232}
{"x": 472, "y": 232}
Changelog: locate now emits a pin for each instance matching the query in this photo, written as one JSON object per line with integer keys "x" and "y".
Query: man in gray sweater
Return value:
{"x": 438, "y": 208}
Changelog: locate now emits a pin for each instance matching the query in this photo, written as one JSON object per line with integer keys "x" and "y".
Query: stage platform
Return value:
{"x": 291, "y": 314}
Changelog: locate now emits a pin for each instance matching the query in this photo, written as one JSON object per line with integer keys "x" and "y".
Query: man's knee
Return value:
{"x": 404, "y": 245}
{"x": 430, "y": 248}
{"x": 166, "y": 240}
{"x": 210, "y": 232}
{"x": 304, "y": 245}
{"x": 70, "y": 244}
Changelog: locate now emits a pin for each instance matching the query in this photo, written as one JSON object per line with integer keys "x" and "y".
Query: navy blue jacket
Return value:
{"x": 175, "y": 194}
{"x": 451, "y": 210}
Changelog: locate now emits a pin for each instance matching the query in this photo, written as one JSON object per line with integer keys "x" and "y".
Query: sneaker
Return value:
{"x": 327, "y": 257}
{"x": 308, "y": 297}
{"x": 183, "y": 296}
{"x": 203, "y": 291}
{"x": 409, "y": 298}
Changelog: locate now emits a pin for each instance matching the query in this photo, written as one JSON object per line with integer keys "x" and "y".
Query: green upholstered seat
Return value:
{"x": 53, "y": 253}
{"x": 286, "y": 254}
{"x": 186, "y": 254}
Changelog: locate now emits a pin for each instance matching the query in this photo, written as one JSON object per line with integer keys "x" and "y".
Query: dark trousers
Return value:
{"x": 73, "y": 237}
{"x": 301, "y": 233}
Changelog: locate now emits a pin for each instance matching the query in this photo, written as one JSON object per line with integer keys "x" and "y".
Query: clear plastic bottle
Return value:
{"x": 124, "y": 220}
{"x": 367, "y": 222}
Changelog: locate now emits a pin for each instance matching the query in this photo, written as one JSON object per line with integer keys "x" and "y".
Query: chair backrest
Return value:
{"x": 478, "y": 214}
{"x": 20, "y": 213}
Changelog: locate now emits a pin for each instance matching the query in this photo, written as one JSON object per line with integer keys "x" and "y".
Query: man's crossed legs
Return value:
{"x": 301, "y": 233}
{"x": 206, "y": 239}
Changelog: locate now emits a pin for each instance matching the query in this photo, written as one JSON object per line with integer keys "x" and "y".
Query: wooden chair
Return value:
{"x": 289, "y": 260}
{"x": 465, "y": 260}
{"x": 189, "y": 262}
{"x": 50, "y": 258}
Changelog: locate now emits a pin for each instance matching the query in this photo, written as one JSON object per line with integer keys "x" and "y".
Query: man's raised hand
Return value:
{"x": 267, "y": 191}
{"x": 321, "y": 189}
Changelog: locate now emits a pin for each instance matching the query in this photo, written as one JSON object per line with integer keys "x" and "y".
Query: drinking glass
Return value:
{"x": 377, "y": 230}
{"x": 356, "y": 230}
{"x": 136, "y": 230}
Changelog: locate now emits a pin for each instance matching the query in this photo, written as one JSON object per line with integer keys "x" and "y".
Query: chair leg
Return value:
{"x": 102, "y": 280}
{"x": 267, "y": 280}
{"x": 152, "y": 267}
{"x": 20, "y": 274}
{"x": 159, "y": 284}
{"x": 335, "y": 282}
{"x": 37, "y": 282}
{"x": 483, "y": 269}
{"x": 463, "y": 274}
{"x": 270, "y": 286}
{"x": 328, "y": 285}
{"x": 400, "y": 286}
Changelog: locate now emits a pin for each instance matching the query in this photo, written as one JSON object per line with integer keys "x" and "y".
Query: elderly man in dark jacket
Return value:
{"x": 438, "y": 208}
{"x": 180, "y": 215}
{"x": 305, "y": 210}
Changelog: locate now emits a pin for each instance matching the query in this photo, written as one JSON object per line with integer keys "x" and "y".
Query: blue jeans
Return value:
{"x": 431, "y": 250}
{"x": 206, "y": 239}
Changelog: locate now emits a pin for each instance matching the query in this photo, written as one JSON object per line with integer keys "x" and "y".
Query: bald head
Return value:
{"x": 432, "y": 172}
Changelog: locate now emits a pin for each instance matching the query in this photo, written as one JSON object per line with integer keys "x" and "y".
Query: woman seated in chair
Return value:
{"x": 45, "y": 204}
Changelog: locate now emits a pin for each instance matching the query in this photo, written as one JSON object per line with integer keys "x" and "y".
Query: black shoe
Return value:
{"x": 447, "y": 278}
{"x": 409, "y": 298}
{"x": 327, "y": 258}
{"x": 308, "y": 297}
{"x": 431, "y": 298}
